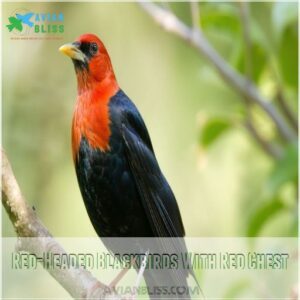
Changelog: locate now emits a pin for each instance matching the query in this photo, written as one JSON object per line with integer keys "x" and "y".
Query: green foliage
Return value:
{"x": 212, "y": 130}
{"x": 273, "y": 35}
{"x": 273, "y": 60}
{"x": 288, "y": 48}
{"x": 221, "y": 23}
{"x": 283, "y": 14}
{"x": 285, "y": 170}
{"x": 221, "y": 17}
{"x": 258, "y": 61}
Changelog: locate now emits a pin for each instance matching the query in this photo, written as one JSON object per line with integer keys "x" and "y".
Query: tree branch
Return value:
{"x": 246, "y": 88}
{"x": 78, "y": 282}
{"x": 271, "y": 149}
{"x": 286, "y": 109}
{"x": 267, "y": 146}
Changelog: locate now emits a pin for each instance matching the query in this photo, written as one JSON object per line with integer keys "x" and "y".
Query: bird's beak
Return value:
{"x": 72, "y": 51}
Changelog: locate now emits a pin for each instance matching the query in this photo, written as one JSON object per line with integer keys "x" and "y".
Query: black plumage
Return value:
{"x": 124, "y": 190}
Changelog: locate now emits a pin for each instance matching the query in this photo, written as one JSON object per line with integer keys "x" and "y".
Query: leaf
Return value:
{"x": 262, "y": 215}
{"x": 221, "y": 17}
{"x": 261, "y": 23}
{"x": 285, "y": 170}
{"x": 283, "y": 14}
{"x": 259, "y": 59}
{"x": 288, "y": 55}
{"x": 212, "y": 130}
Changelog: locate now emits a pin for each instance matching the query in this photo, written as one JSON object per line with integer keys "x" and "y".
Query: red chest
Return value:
{"x": 91, "y": 120}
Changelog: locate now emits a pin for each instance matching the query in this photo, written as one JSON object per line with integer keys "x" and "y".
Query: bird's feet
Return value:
{"x": 140, "y": 275}
{"x": 118, "y": 278}
{"x": 138, "y": 280}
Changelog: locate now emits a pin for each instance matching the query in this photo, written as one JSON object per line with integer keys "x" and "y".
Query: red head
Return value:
{"x": 96, "y": 85}
{"x": 91, "y": 61}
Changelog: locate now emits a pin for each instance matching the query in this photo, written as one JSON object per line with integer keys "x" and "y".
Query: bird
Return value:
{"x": 25, "y": 19}
{"x": 124, "y": 190}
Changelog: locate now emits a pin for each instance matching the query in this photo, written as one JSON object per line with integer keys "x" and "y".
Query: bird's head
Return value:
{"x": 91, "y": 61}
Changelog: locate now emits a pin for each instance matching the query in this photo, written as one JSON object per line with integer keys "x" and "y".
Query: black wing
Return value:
{"x": 155, "y": 193}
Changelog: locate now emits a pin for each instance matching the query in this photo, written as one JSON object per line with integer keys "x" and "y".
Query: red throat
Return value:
{"x": 96, "y": 85}
{"x": 91, "y": 116}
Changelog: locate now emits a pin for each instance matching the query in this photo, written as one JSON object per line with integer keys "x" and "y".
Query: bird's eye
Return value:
{"x": 93, "y": 48}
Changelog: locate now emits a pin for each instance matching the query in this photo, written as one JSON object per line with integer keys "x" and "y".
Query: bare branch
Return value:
{"x": 269, "y": 148}
{"x": 22, "y": 216}
{"x": 282, "y": 101}
{"x": 246, "y": 88}
{"x": 78, "y": 282}
{"x": 286, "y": 109}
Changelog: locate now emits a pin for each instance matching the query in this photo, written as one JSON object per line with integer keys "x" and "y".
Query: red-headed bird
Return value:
{"x": 123, "y": 188}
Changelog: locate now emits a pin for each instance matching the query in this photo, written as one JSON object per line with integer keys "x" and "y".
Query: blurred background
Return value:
{"x": 226, "y": 184}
